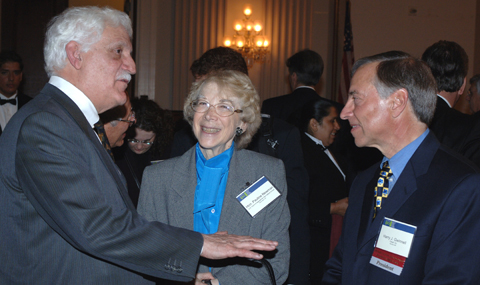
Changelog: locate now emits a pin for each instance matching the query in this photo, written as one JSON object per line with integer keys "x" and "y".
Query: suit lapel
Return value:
{"x": 185, "y": 179}
{"x": 367, "y": 210}
{"x": 405, "y": 186}
{"x": 232, "y": 210}
{"x": 82, "y": 122}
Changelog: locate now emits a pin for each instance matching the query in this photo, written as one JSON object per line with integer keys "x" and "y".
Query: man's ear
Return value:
{"x": 462, "y": 89}
{"x": 73, "y": 54}
{"x": 399, "y": 101}
{"x": 313, "y": 124}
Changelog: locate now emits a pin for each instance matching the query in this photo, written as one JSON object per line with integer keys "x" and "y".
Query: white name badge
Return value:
{"x": 257, "y": 196}
{"x": 393, "y": 245}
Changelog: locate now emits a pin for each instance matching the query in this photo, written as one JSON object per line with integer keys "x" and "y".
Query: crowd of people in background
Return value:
{"x": 82, "y": 157}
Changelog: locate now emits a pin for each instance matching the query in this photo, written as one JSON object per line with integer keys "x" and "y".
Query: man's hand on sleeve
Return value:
{"x": 222, "y": 245}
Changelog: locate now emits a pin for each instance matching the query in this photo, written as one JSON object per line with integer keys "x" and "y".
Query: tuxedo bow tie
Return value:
{"x": 11, "y": 101}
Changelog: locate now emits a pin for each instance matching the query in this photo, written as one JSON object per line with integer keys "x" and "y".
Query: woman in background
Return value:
{"x": 149, "y": 139}
{"x": 199, "y": 189}
{"x": 328, "y": 188}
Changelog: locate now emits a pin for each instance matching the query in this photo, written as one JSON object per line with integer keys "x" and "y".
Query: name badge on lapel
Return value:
{"x": 258, "y": 195}
{"x": 393, "y": 245}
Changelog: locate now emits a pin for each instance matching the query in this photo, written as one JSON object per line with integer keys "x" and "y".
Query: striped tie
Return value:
{"x": 103, "y": 137}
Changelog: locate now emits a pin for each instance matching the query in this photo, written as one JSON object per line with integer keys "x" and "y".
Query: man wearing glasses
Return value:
{"x": 116, "y": 122}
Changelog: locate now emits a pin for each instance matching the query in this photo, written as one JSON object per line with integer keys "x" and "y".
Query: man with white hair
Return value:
{"x": 64, "y": 209}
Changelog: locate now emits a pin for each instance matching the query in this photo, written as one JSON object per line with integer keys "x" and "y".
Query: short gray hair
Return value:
{"x": 84, "y": 25}
{"x": 242, "y": 90}
{"x": 398, "y": 70}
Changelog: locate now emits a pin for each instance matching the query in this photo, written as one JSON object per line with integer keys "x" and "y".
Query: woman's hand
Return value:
{"x": 339, "y": 207}
{"x": 205, "y": 276}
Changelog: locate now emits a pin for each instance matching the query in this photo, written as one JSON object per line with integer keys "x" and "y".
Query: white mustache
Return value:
{"x": 126, "y": 76}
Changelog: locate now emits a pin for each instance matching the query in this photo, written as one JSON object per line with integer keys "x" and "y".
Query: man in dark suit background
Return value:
{"x": 448, "y": 62}
{"x": 471, "y": 149}
{"x": 11, "y": 75}
{"x": 391, "y": 102}
{"x": 473, "y": 95}
{"x": 305, "y": 69}
{"x": 65, "y": 212}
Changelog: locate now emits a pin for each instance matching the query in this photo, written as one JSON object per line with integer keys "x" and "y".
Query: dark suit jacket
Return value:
{"x": 450, "y": 126}
{"x": 132, "y": 166}
{"x": 65, "y": 212}
{"x": 168, "y": 193}
{"x": 438, "y": 191}
{"x": 471, "y": 149}
{"x": 289, "y": 150}
{"x": 22, "y": 100}
{"x": 284, "y": 106}
{"x": 326, "y": 185}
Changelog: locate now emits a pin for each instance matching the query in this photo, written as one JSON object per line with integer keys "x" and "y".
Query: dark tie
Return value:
{"x": 381, "y": 190}
{"x": 103, "y": 137}
{"x": 11, "y": 101}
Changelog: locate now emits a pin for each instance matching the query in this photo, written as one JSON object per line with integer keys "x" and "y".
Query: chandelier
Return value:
{"x": 248, "y": 39}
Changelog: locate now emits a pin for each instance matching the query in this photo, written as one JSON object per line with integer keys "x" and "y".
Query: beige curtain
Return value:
{"x": 288, "y": 25}
{"x": 198, "y": 27}
{"x": 172, "y": 34}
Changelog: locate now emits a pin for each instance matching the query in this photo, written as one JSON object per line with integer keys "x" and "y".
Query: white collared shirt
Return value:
{"x": 446, "y": 101}
{"x": 78, "y": 97}
{"x": 317, "y": 141}
{"x": 7, "y": 110}
{"x": 304, "y": 86}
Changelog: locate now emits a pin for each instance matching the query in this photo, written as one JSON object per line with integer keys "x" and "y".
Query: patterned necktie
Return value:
{"x": 6, "y": 101}
{"x": 103, "y": 137}
{"x": 381, "y": 190}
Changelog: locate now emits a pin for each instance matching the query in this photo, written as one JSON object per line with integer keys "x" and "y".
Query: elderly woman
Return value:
{"x": 199, "y": 189}
{"x": 328, "y": 173}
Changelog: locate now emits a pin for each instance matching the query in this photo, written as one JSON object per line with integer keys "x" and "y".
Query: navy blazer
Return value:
{"x": 438, "y": 191}
{"x": 65, "y": 212}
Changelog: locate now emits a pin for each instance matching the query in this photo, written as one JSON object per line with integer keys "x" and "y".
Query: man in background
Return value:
{"x": 448, "y": 62}
{"x": 473, "y": 95}
{"x": 305, "y": 69}
{"x": 116, "y": 122}
{"x": 11, "y": 75}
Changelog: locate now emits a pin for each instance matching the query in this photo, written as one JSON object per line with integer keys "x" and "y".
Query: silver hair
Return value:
{"x": 83, "y": 25}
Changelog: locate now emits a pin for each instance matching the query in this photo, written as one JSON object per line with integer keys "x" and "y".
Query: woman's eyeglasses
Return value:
{"x": 222, "y": 109}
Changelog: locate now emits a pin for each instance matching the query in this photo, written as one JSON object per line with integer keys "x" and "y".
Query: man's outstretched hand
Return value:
{"x": 222, "y": 245}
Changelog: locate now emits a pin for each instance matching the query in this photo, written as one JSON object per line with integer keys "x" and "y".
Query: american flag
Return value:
{"x": 347, "y": 60}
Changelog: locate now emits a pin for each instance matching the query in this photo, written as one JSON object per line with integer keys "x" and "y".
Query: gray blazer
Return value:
{"x": 167, "y": 195}
{"x": 65, "y": 212}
